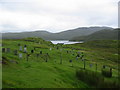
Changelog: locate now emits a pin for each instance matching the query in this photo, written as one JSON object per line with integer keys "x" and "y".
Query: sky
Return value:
{"x": 56, "y": 15}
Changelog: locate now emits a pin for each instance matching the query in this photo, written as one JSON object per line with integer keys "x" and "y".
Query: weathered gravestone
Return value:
{"x": 27, "y": 56}
{"x": 104, "y": 66}
{"x": 25, "y": 49}
{"x": 15, "y": 52}
{"x": 71, "y": 62}
{"x": 3, "y": 50}
{"x": 40, "y": 52}
{"x": 25, "y": 45}
{"x": 50, "y": 49}
{"x": 32, "y": 51}
{"x": 20, "y": 55}
{"x": 20, "y": 48}
{"x": 91, "y": 65}
{"x": 8, "y": 50}
{"x": 37, "y": 55}
{"x": 18, "y": 44}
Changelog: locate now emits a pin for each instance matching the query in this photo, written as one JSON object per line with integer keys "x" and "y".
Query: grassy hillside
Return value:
{"x": 52, "y": 68}
{"x": 65, "y": 35}
{"x": 99, "y": 35}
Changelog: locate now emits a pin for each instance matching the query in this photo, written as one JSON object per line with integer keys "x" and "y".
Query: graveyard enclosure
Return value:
{"x": 44, "y": 65}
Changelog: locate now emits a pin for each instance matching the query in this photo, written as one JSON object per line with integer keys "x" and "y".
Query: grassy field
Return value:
{"x": 53, "y": 70}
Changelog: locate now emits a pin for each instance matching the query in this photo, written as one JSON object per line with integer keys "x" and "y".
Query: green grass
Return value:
{"x": 36, "y": 73}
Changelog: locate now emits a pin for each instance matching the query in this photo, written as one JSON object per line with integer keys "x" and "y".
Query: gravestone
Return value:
{"x": 37, "y": 55}
{"x": 70, "y": 61}
{"x": 25, "y": 49}
{"x": 91, "y": 65}
{"x": 78, "y": 55}
{"x": 104, "y": 66}
{"x": 15, "y": 52}
{"x": 40, "y": 52}
{"x": 25, "y": 45}
{"x": 20, "y": 55}
{"x": 8, "y": 50}
{"x": 18, "y": 44}
{"x": 27, "y": 56}
{"x": 76, "y": 58}
{"x": 32, "y": 51}
{"x": 20, "y": 48}
{"x": 67, "y": 52}
{"x": 3, "y": 50}
{"x": 50, "y": 49}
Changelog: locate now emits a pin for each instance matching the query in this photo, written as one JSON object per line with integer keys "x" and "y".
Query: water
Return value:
{"x": 64, "y": 41}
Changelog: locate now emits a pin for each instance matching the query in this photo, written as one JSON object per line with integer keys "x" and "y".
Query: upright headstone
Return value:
{"x": 40, "y": 52}
{"x": 25, "y": 45}
{"x": 20, "y": 55}
{"x": 84, "y": 63}
{"x": 8, "y": 50}
{"x": 3, "y": 50}
{"x": 15, "y": 52}
{"x": 71, "y": 62}
{"x": 67, "y": 52}
{"x": 20, "y": 48}
{"x": 37, "y": 55}
{"x": 32, "y": 51}
{"x": 25, "y": 49}
{"x": 91, "y": 65}
{"x": 96, "y": 66}
{"x": 18, "y": 44}
{"x": 50, "y": 49}
{"x": 104, "y": 66}
{"x": 27, "y": 56}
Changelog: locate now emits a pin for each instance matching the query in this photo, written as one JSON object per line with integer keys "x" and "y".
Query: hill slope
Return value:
{"x": 65, "y": 35}
{"x": 100, "y": 35}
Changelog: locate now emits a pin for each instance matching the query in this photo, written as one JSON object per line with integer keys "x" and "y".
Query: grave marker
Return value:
{"x": 91, "y": 65}
{"x": 20, "y": 55}
{"x": 8, "y": 50}
{"x": 20, "y": 48}
{"x": 104, "y": 66}
{"x": 27, "y": 56}
{"x": 71, "y": 62}
{"x": 32, "y": 51}
{"x": 15, "y": 52}
{"x": 3, "y": 50}
{"x": 50, "y": 49}
{"x": 18, "y": 44}
{"x": 40, "y": 52}
{"x": 25, "y": 49}
{"x": 84, "y": 64}
{"x": 96, "y": 66}
{"x": 25, "y": 45}
{"x": 37, "y": 55}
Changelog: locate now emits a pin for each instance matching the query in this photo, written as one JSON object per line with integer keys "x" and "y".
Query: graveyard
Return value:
{"x": 36, "y": 63}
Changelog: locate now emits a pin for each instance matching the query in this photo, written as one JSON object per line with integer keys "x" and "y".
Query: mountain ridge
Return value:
{"x": 64, "y": 35}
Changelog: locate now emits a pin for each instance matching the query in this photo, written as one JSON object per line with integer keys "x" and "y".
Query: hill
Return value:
{"x": 99, "y": 35}
{"x": 52, "y": 68}
{"x": 65, "y": 35}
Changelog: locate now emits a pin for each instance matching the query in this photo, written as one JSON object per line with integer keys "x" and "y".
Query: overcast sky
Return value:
{"x": 56, "y": 15}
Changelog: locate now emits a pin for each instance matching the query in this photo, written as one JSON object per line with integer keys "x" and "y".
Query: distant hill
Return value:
{"x": 99, "y": 35}
{"x": 65, "y": 35}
